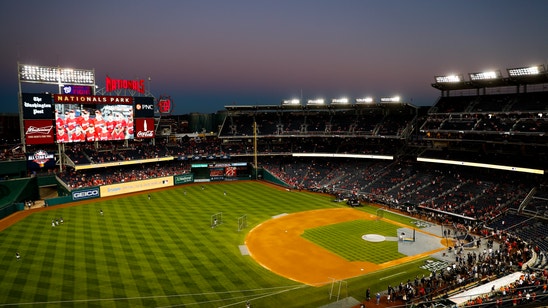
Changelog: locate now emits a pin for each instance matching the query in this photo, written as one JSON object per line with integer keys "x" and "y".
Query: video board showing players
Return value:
{"x": 89, "y": 123}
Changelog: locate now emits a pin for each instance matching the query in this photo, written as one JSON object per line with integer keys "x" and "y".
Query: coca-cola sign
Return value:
{"x": 38, "y": 131}
{"x": 144, "y": 128}
{"x": 147, "y": 134}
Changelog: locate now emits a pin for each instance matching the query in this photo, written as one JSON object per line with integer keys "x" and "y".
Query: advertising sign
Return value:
{"x": 83, "y": 194}
{"x": 76, "y": 89}
{"x": 136, "y": 186}
{"x": 183, "y": 178}
{"x": 40, "y": 159}
{"x": 144, "y": 107}
{"x": 38, "y": 131}
{"x": 37, "y": 106}
{"x": 144, "y": 128}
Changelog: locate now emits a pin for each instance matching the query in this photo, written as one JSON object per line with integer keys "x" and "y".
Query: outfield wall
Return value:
{"x": 135, "y": 186}
{"x": 13, "y": 169}
{"x": 15, "y": 192}
{"x": 18, "y": 191}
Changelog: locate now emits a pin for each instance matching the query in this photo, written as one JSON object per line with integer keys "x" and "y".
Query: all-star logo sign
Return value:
{"x": 40, "y": 157}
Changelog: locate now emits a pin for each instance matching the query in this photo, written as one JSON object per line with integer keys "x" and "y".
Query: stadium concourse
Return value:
{"x": 474, "y": 162}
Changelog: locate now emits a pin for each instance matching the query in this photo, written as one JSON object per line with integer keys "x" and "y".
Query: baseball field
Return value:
{"x": 211, "y": 245}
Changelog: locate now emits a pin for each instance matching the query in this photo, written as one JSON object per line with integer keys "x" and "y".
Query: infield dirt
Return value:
{"x": 277, "y": 245}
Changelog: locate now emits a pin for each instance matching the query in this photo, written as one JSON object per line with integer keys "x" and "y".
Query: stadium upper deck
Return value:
{"x": 372, "y": 120}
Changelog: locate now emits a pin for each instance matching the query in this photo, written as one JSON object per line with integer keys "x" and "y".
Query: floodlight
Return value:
{"x": 393, "y": 99}
{"x": 364, "y": 100}
{"x": 489, "y": 75}
{"x": 291, "y": 102}
{"x": 44, "y": 74}
{"x": 526, "y": 71}
{"x": 318, "y": 101}
{"x": 342, "y": 100}
{"x": 448, "y": 79}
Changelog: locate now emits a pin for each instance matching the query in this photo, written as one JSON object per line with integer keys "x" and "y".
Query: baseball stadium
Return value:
{"x": 110, "y": 200}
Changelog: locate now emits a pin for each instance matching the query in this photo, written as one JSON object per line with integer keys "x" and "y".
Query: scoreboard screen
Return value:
{"x": 221, "y": 171}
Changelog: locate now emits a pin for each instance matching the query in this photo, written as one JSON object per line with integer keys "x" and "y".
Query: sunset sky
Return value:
{"x": 209, "y": 54}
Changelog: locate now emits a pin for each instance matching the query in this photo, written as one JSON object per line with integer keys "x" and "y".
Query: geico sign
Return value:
{"x": 85, "y": 194}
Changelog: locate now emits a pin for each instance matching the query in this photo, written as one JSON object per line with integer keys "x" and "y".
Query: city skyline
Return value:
{"x": 209, "y": 54}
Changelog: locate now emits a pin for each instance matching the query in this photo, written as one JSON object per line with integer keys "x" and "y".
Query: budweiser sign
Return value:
{"x": 39, "y": 131}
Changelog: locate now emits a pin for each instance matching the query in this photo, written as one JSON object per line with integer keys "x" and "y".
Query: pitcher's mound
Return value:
{"x": 374, "y": 237}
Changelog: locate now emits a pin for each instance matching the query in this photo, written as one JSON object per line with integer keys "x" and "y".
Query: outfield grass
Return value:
{"x": 162, "y": 253}
{"x": 344, "y": 239}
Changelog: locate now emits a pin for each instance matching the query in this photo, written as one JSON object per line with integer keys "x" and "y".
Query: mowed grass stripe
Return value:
{"x": 148, "y": 253}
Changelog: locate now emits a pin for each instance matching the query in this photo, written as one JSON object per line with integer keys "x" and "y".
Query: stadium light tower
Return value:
{"x": 49, "y": 75}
